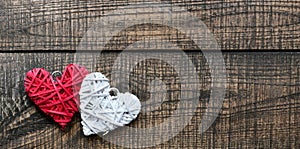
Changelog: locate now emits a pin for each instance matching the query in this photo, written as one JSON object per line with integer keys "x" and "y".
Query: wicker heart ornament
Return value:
{"x": 102, "y": 112}
{"x": 57, "y": 97}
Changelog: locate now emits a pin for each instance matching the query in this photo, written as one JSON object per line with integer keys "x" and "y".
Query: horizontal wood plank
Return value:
{"x": 236, "y": 25}
{"x": 260, "y": 110}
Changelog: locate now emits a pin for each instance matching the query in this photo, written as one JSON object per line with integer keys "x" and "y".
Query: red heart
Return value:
{"x": 57, "y": 98}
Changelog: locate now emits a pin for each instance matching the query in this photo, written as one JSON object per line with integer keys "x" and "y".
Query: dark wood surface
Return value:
{"x": 261, "y": 107}
{"x": 260, "y": 110}
{"x": 237, "y": 25}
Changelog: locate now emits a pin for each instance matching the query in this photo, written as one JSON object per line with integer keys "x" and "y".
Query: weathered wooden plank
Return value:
{"x": 237, "y": 25}
{"x": 260, "y": 110}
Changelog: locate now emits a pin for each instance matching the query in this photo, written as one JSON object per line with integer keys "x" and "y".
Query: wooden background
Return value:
{"x": 261, "y": 107}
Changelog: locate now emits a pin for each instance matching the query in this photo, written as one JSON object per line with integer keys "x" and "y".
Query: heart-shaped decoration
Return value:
{"x": 102, "y": 112}
{"x": 58, "y": 97}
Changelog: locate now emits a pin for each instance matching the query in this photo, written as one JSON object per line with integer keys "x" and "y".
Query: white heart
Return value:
{"x": 101, "y": 112}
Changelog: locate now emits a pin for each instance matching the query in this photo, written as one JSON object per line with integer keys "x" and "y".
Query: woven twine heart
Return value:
{"x": 102, "y": 112}
{"x": 58, "y": 97}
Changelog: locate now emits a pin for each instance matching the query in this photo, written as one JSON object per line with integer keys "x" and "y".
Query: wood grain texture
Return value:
{"x": 236, "y": 24}
{"x": 260, "y": 110}
{"x": 261, "y": 107}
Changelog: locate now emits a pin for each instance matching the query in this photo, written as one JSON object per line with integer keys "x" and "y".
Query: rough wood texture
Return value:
{"x": 261, "y": 107}
{"x": 237, "y": 25}
{"x": 260, "y": 110}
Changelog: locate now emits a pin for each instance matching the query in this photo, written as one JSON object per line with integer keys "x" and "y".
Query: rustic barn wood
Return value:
{"x": 260, "y": 110}
{"x": 261, "y": 107}
{"x": 237, "y": 25}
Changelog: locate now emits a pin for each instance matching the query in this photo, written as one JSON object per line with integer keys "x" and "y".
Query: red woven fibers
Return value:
{"x": 58, "y": 97}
